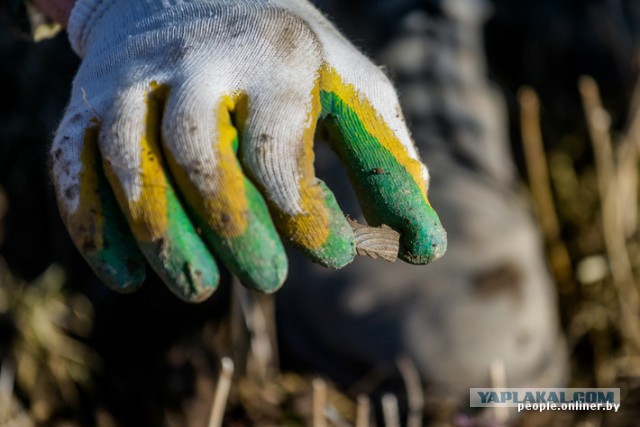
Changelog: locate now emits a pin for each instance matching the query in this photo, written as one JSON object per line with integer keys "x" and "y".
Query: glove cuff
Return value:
{"x": 83, "y": 16}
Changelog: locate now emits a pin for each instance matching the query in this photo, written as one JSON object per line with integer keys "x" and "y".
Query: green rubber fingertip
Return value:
{"x": 257, "y": 257}
{"x": 423, "y": 239}
{"x": 118, "y": 263}
{"x": 387, "y": 192}
{"x": 392, "y": 198}
{"x": 105, "y": 241}
{"x": 181, "y": 258}
{"x": 339, "y": 249}
{"x": 121, "y": 275}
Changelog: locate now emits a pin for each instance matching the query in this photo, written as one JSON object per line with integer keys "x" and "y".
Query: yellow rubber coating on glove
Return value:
{"x": 231, "y": 215}
{"x": 373, "y": 123}
{"x": 97, "y": 228}
{"x": 88, "y": 219}
{"x": 310, "y": 230}
{"x": 161, "y": 226}
{"x": 148, "y": 214}
{"x": 225, "y": 210}
{"x": 388, "y": 182}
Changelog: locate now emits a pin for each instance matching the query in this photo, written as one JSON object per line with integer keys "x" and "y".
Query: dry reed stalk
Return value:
{"x": 363, "y": 411}
{"x": 498, "y": 376}
{"x": 627, "y": 183}
{"x": 222, "y": 393}
{"x": 263, "y": 339}
{"x": 7, "y": 380}
{"x": 598, "y": 123}
{"x": 255, "y": 315}
{"x": 628, "y": 154}
{"x": 538, "y": 172}
{"x": 390, "y": 410}
{"x": 319, "y": 402}
{"x": 239, "y": 326}
{"x": 335, "y": 417}
{"x": 415, "y": 394}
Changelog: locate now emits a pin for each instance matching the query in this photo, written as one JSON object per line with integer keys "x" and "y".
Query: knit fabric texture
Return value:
{"x": 189, "y": 139}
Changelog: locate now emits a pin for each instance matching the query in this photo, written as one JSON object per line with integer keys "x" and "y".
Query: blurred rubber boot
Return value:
{"x": 490, "y": 299}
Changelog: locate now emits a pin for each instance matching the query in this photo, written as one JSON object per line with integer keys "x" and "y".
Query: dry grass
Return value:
{"x": 45, "y": 362}
{"x": 588, "y": 215}
{"x": 597, "y": 279}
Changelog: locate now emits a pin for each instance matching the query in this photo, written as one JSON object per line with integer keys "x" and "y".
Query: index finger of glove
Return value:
{"x": 372, "y": 140}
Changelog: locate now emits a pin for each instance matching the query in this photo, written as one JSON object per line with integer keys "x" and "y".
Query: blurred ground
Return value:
{"x": 64, "y": 337}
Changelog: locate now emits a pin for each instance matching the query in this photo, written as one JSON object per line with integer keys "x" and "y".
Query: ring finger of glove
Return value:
{"x": 201, "y": 143}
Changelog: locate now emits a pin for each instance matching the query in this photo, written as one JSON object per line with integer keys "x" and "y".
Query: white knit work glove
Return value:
{"x": 201, "y": 114}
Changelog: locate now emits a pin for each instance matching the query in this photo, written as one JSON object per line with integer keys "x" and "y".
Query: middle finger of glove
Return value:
{"x": 201, "y": 142}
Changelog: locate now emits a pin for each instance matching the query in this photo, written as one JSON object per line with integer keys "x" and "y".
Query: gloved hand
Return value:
{"x": 201, "y": 115}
